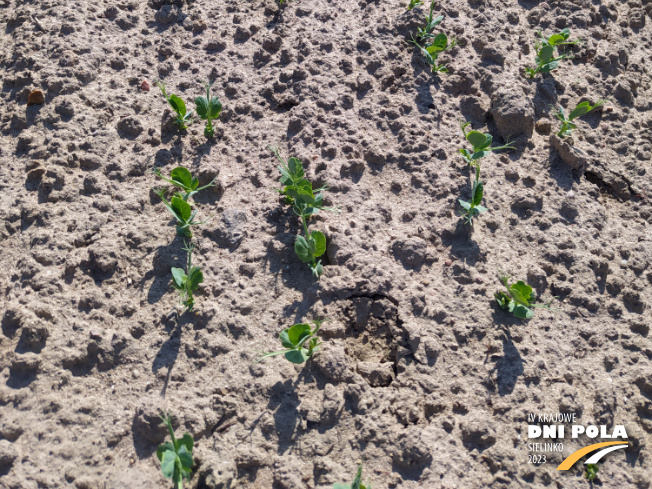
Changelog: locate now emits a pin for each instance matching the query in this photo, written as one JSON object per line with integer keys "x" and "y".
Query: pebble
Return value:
{"x": 35, "y": 97}
{"x": 144, "y": 86}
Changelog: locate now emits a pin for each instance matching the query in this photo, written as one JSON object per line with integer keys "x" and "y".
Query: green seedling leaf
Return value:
{"x": 477, "y": 140}
{"x": 195, "y": 278}
{"x": 481, "y": 144}
{"x": 306, "y": 202}
{"x": 520, "y": 311}
{"x": 201, "y": 104}
{"x": 176, "y": 456}
{"x": 298, "y": 333}
{"x": 184, "y": 118}
{"x": 356, "y": 484}
{"x": 584, "y": 108}
{"x": 545, "y": 53}
{"x": 208, "y": 108}
{"x": 294, "y": 340}
{"x": 297, "y": 356}
{"x": 214, "y": 108}
{"x": 522, "y": 293}
{"x": 181, "y": 178}
{"x": 302, "y": 249}
{"x": 591, "y": 471}
{"x": 518, "y": 299}
{"x": 477, "y": 194}
{"x": 414, "y": 3}
{"x": 178, "y": 278}
{"x": 503, "y": 299}
{"x": 317, "y": 269}
{"x": 548, "y": 67}
{"x": 566, "y": 125}
{"x": 439, "y": 41}
{"x": 177, "y": 105}
{"x": 556, "y": 39}
{"x": 320, "y": 242}
{"x": 181, "y": 209}
{"x": 187, "y": 283}
{"x": 168, "y": 464}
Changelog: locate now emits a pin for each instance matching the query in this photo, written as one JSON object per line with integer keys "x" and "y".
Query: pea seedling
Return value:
{"x": 294, "y": 340}
{"x": 182, "y": 212}
{"x": 567, "y": 125}
{"x": 425, "y": 32}
{"x": 481, "y": 144}
{"x": 176, "y": 456}
{"x": 356, "y": 484}
{"x": 431, "y": 52}
{"x": 519, "y": 298}
{"x": 545, "y": 50}
{"x": 187, "y": 281}
{"x": 184, "y": 118}
{"x": 207, "y": 109}
{"x": 591, "y": 471}
{"x": 182, "y": 178}
{"x": 305, "y": 203}
{"x": 414, "y": 3}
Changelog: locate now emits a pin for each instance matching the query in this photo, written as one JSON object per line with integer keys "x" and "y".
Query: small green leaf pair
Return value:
{"x": 414, "y": 3}
{"x": 176, "y": 456}
{"x": 431, "y": 23}
{"x": 481, "y": 144}
{"x": 591, "y": 471}
{"x": 519, "y": 299}
{"x": 182, "y": 212}
{"x": 182, "y": 178}
{"x": 545, "y": 53}
{"x": 439, "y": 42}
{"x": 472, "y": 208}
{"x": 178, "y": 206}
{"x": 356, "y": 484}
{"x": 305, "y": 203}
{"x": 309, "y": 249}
{"x": 431, "y": 52}
{"x": 187, "y": 281}
{"x": 208, "y": 108}
{"x": 567, "y": 125}
{"x": 184, "y": 118}
{"x": 300, "y": 342}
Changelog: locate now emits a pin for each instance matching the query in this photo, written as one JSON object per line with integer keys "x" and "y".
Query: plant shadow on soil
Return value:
{"x": 169, "y": 351}
{"x": 293, "y": 273}
{"x": 160, "y": 269}
{"x": 284, "y": 402}
{"x": 423, "y": 100}
{"x": 509, "y": 365}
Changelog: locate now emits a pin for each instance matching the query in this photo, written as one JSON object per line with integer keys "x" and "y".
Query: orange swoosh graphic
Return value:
{"x": 575, "y": 456}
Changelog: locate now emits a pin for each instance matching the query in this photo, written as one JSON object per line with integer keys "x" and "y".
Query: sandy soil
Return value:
{"x": 421, "y": 374}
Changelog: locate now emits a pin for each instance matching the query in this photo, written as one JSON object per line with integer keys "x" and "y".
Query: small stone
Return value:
{"x": 35, "y": 97}
{"x": 144, "y": 86}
